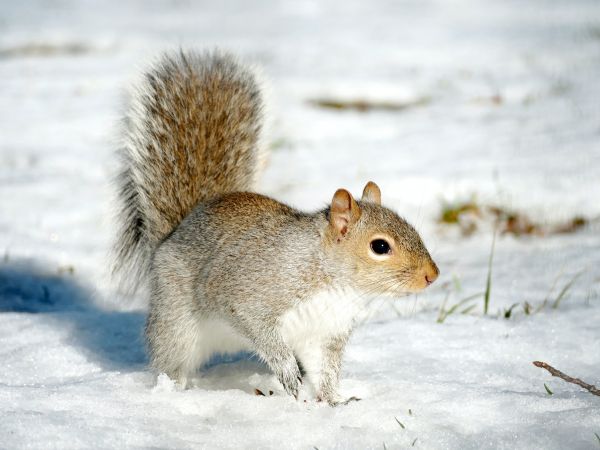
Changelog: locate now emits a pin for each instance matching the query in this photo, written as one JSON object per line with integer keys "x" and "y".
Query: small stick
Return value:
{"x": 557, "y": 373}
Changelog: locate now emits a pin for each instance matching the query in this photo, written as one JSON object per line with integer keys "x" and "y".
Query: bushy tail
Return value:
{"x": 191, "y": 133}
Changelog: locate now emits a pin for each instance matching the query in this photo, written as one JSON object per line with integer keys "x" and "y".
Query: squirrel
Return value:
{"x": 229, "y": 269}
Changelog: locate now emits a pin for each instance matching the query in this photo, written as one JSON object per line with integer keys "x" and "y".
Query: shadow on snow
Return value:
{"x": 112, "y": 338}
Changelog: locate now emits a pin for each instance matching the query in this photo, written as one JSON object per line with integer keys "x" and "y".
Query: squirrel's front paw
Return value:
{"x": 291, "y": 380}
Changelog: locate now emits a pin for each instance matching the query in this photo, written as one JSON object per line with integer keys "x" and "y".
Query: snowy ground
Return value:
{"x": 509, "y": 112}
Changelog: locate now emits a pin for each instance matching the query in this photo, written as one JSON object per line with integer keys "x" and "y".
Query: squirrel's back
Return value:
{"x": 191, "y": 134}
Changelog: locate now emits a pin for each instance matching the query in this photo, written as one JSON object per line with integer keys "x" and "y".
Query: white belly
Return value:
{"x": 305, "y": 328}
{"x": 217, "y": 336}
{"x": 308, "y": 327}
{"x": 327, "y": 314}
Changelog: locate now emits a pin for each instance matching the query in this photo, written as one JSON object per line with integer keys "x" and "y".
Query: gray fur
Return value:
{"x": 233, "y": 270}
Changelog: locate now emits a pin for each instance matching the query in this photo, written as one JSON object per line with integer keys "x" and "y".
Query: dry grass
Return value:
{"x": 44, "y": 49}
{"x": 367, "y": 105}
{"x": 470, "y": 216}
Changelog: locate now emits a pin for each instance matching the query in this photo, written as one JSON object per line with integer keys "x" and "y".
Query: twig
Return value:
{"x": 557, "y": 373}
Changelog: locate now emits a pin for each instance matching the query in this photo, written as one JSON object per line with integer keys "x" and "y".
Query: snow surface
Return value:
{"x": 72, "y": 362}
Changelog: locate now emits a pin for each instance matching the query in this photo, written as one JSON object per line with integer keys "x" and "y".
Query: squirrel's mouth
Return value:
{"x": 421, "y": 278}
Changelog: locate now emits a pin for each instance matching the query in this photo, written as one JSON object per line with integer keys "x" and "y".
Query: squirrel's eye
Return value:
{"x": 380, "y": 247}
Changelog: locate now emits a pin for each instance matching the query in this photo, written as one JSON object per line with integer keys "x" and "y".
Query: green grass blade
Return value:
{"x": 548, "y": 390}
{"x": 453, "y": 308}
{"x": 442, "y": 314}
{"x": 565, "y": 289}
{"x": 468, "y": 309}
{"x": 508, "y": 312}
{"x": 488, "y": 284}
{"x": 472, "y": 297}
{"x": 457, "y": 285}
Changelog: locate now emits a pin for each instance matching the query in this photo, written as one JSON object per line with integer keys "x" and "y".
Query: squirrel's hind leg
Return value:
{"x": 173, "y": 347}
{"x": 173, "y": 330}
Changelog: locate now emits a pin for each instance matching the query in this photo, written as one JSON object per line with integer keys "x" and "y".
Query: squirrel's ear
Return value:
{"x": 344, "y": 211}
{"x": 371, "y": 193}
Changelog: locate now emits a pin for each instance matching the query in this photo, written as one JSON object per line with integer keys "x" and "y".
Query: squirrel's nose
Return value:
{"x": 431, "y": 273}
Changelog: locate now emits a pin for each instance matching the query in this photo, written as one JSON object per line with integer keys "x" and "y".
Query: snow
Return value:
{"x": 72, "y": 361}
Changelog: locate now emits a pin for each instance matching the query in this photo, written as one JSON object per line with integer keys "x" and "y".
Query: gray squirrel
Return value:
{"x": 230, "y": 269}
